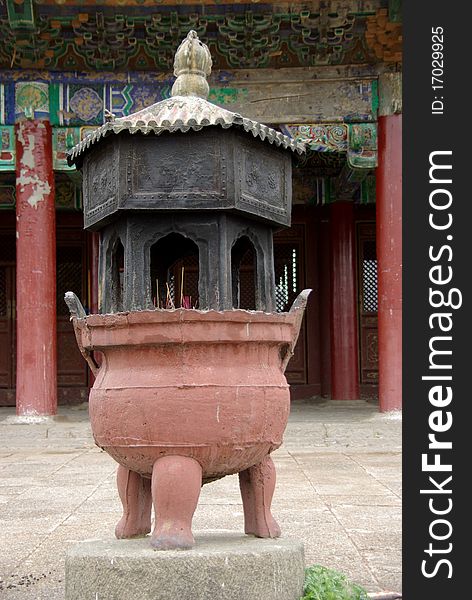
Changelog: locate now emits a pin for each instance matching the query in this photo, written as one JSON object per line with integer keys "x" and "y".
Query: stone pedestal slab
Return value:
{"x": 222, "y": 565}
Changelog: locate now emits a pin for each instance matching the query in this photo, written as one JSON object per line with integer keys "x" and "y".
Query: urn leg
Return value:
{"x": 135, "y": 496}
{"x": 176, "y": 484}
{"x": 257, "y": 486}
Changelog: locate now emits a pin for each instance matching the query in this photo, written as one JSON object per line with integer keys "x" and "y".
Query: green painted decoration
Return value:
{"x": 63, "y": 138}
{"x": 124, "y": 38}
{"x": 7, "y": 148}
{"x": 31, "y": 100}
{"x": 375, "y": 97}
{"x": 362, "y": 152}
{"x": 20, "y": 14}
{"x": 227, "y": 95}
{"x": 358, "y": 140}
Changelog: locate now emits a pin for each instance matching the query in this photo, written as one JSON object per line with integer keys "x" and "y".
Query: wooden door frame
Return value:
{"x": 309, "y": 216}
{"x": 365, "y": 230}
{"x": 7, "y": 392}
{"x": 70, "y": 233}
{"x": 7, "y": 227}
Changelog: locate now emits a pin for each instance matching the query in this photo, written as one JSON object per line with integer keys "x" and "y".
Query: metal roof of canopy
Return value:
{"x": 187, "y": 109}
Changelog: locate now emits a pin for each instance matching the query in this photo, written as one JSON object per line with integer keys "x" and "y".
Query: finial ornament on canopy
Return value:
{"x": 192, "y": 65}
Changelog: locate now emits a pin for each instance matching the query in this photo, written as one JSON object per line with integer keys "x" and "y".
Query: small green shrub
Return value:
{"x": 322, "y": 583}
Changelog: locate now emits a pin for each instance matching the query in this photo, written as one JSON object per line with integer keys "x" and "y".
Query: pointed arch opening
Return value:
{"x": 174, "y": 271}
{"x": 244, "y": 274}
{"x": 117, "y": 274}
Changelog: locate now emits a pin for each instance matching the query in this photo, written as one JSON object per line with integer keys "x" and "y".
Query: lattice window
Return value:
{"x": 69, "y": 275}
{"x": 369, "y": 277}
{"x": 3, "y": 292}
{"x": 286, "y": 261}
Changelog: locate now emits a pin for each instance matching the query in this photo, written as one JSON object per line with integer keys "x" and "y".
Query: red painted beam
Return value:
{"x": 389, "y": 260}
{"x": 343, "y": 314}
{"x": 36, "y": 388}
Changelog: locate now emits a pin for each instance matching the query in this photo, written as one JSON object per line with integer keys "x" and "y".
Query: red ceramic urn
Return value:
{"x": 183, "y": 397}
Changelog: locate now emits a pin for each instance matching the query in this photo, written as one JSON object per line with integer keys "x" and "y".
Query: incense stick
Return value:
{"x": 169, "y": 297}
{"x": 182, "y": 287}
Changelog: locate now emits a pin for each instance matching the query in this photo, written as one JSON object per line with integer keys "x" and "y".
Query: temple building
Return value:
{"x": 325, "y": 72}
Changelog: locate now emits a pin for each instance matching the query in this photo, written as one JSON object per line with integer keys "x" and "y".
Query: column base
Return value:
{"x": 223, "y": 565}
{"x": 30, "y": 420}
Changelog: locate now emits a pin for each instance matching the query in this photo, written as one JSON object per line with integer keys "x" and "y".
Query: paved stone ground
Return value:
{"x": 338, "y": 490}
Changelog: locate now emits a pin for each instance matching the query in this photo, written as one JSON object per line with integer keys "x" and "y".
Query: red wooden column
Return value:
{"x": 325, "y": 301}
{"x": 36, "y": 388}
{"x": 389, "y": 243}
{"x": 343, "y": 314}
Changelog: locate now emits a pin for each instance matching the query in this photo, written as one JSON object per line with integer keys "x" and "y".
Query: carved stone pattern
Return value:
{"x": 101, "y": 183}
{"x": 159, "y": 177}
{"x": 101, "y": 207}
{"x": 262, "y": 182}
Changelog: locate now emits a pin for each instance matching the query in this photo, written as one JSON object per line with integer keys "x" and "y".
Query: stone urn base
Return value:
{"x": 183, "y": 397}
{"x": 223, "y": 566}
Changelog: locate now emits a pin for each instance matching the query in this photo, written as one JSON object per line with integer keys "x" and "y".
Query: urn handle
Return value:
{"x": 77, "y": 313}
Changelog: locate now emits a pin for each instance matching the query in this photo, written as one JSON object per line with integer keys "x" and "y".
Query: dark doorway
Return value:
{"x": 72, "y": 370}
{"x": 117, "y": 270}
{"x": 7, "y": 319}
{"x": 244, "y": 274}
